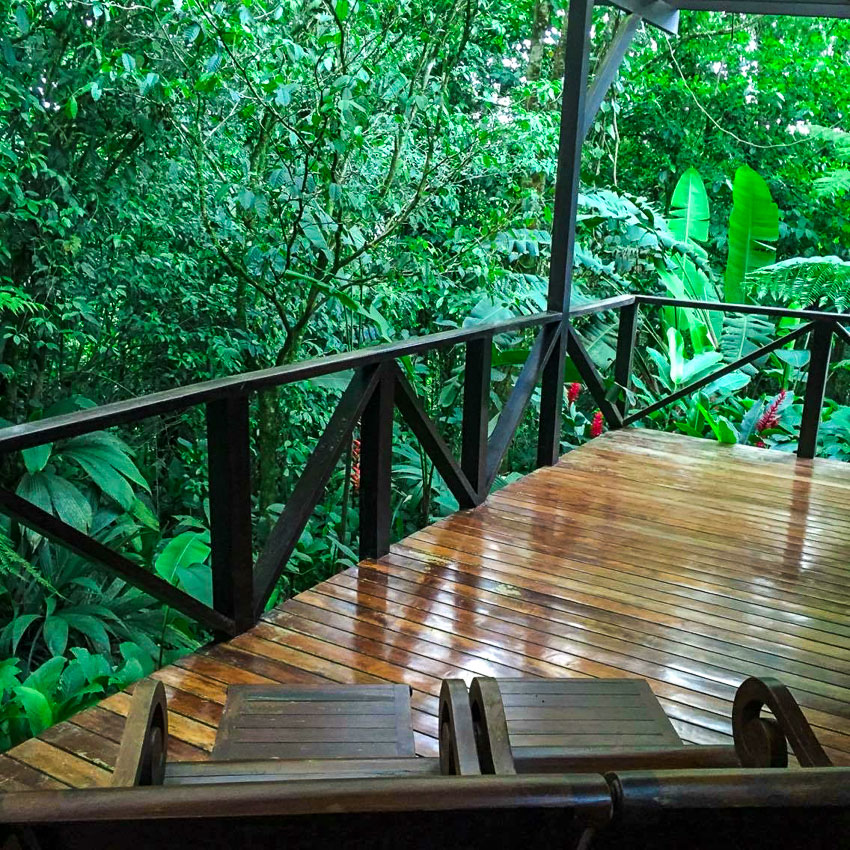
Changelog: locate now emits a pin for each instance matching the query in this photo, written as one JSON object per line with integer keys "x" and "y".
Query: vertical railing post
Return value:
{"x": 376, "y": 453}
{"x": 625, "y": 353}
{"x": 820, "y": 346}
{"x": 476, "y": 413}
{"x": 229, "y": 452}
{"x": 578, "y": 45}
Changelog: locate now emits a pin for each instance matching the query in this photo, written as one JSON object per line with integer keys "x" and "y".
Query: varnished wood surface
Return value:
{"x": 641, "y": 555}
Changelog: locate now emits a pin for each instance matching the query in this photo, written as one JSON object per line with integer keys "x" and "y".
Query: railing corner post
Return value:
{"x": 626, "y": 334}
{"x": 820, "y": 346}
{"x": 476, "y": 413}
{"x": 552, "y": 400}
{"x": 376, "y": 454}
{"x": 229, "y": 464}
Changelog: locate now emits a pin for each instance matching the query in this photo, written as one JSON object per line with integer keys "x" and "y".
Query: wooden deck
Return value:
{"x": 680, "y": 561}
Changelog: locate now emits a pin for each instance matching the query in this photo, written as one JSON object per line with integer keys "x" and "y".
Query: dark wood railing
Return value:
{"x": 820, "y": 326}
{"x": 242, "y": 584}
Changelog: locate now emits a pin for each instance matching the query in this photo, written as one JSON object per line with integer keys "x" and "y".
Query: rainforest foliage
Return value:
{"x": 192, "y": 188}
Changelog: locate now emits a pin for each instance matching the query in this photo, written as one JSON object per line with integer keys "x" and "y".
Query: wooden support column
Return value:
{"x": 376, "y": 455}
{"x": 573, "y": 100}
{"x": 476, "y": 413}
{"x": 820, "y": 346}
{"x": 228, "y": 447}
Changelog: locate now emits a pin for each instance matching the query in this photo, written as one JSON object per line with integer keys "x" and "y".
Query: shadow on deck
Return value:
{"x": 642, "y": 554}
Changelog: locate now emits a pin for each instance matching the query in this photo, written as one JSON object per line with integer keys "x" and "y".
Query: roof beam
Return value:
{"x": 660, "y": 14}
{"x": 608, "y": 69}
{"x": 805, "y": 8}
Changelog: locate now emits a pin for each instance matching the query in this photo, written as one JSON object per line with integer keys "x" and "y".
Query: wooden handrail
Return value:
{"x": 752, "y": 309}
{"x": 28, "y": 434}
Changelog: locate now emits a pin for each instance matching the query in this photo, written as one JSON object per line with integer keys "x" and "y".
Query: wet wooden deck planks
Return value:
{"x": 641, "y": 554}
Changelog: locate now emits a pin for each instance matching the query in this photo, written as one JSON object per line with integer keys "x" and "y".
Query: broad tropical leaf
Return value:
{"x": 743, "y": 334}
{"x": 753, "y": 225}
{"x": 689, "y": 210}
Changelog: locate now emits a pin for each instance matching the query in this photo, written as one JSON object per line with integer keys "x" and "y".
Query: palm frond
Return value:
{"x": 811, "y": 281}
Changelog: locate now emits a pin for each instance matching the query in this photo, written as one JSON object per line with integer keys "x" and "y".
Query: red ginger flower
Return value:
{"x": 596, "y": 425}
{"x": 573, "y": 392}
{"x": 770, "y": 418}
{"x": 355, "y": 464}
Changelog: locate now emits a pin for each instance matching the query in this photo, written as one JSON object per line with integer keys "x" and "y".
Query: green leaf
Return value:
{"x": 9, "y": 671}
{"x": 22, "y": 19}
{"x": 144, "y": 515}
{"x": 676, "y": 354}
{"x": 71, "y": 107}
{"x": 46, "y": 677}
{"x": 95, "y": 91}
{"x": 128, "y": 62}
{"x": 106, "y": 478}
{"x": 753, "y": 224}
{"x": 56, "y": 634}
{"x": 69, "y": 504}
{"x": 111, "y": 451}
{"x": 342, "y": 9}
{"x": 196, "y": 580}
{"x": 19, "y": 625}
{"x": 36, "y": 708}
{"x": 186, "y": 549}
{"x": 35, "y": 459}
{"x": 689, "y": 210}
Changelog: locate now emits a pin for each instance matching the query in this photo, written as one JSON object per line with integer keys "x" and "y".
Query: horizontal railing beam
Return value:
{"x": 615, "y": 303}
{"x": 752, "y": 309}
{"x": 29, "y": 434}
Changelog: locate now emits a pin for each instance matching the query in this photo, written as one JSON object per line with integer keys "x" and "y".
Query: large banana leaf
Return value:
{"x": 689, "y": 210}
{"x": 753, "y": 225}
{"x": 743, "y": 334}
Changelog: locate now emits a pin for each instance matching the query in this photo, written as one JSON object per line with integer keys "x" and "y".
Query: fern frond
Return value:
{"x": 12, "y": 564}
{"x": 833, "y": 182}
{"x": 811, "y": 281}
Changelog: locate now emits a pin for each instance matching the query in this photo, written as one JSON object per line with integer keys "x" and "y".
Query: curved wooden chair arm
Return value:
{"x": 491, "y": 727}
{"x": 141, "y": 756}
{"x": 458, "y": 755}
{"x": 763, "y": 741}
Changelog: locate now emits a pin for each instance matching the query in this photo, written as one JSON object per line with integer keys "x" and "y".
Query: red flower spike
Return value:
{"x": 770, "y": 418}
{"x": 597, "y": 424}
{"x": 573, "y": 392}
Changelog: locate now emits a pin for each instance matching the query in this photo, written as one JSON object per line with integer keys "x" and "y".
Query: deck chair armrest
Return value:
{"x": 141, "y": 756}
{"x": 763, "y": 741}
{"x": 491, "y": 727}
{"x": 458, "y": 752}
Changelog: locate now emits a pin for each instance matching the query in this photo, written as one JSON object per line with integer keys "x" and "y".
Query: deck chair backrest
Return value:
{"x": 440, "y": 812}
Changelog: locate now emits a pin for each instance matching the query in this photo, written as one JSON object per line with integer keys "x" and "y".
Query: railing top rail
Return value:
{"x": 753, "y": 309}
{"x": 27, "y": 434}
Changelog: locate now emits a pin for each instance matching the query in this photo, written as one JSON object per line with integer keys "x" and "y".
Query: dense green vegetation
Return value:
{"x": 190, "y": 189}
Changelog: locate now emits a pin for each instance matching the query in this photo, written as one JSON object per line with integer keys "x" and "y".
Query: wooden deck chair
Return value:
{"x": 298, "y": 732}
{"x": 601, "y": 725}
